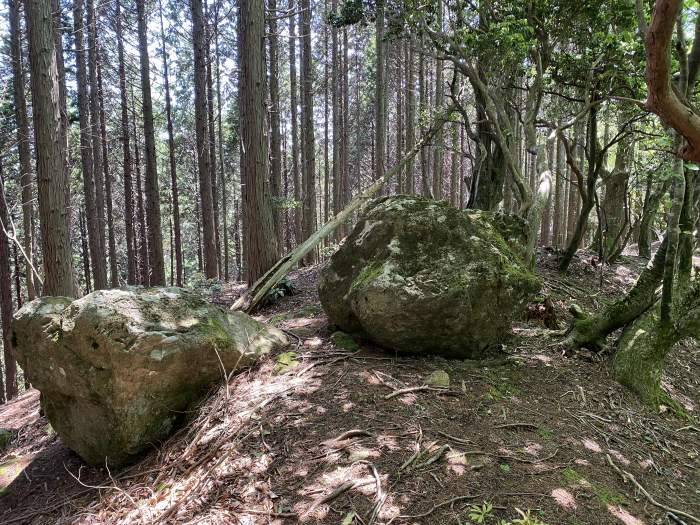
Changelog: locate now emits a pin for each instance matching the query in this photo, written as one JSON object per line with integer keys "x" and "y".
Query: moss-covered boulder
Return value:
{"x": 420, "y": 276}
{"x": 117, "y": 369}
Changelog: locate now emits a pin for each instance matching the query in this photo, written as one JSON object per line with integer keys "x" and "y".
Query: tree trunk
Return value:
{"x": 260, "y": 241}
{"x": 126, "y": 149}
{"x": 6, "y": 309}
{"x": 86, "y": 150}
{"x": 177, "y": 235}
{"x": 222, "y": 173}
{"x": 85, "y": 250}
{"x": 275, "y": 137}
{"x": 144, "y": 275}
{"x": 307, "y": 127}
{"x": 380, "y": 94}
{"x": 410, "y": 115}
{"x": 212, "y": 138}
{"x": 25, "y": 161}
{"x": 590, "y": 332}
{"x": 203, "y": 144}
{"x": 99, "y": 269}
{"x": 438, "y": 154}
{"x": 293, "y": 91}
{"x": 155, "y": 239}
{"x": 53, "y": 208}
{"x": 111, "y": 238}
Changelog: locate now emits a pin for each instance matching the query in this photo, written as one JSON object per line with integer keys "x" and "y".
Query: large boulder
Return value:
{"x": 118, "y": 368}
{"x": 420, "y": 276}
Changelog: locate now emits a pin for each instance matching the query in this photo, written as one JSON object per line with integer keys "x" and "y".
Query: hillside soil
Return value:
{"x": 337, "y": 431}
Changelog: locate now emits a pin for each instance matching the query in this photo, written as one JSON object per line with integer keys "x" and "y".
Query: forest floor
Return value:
{"x": 327, "y": 434}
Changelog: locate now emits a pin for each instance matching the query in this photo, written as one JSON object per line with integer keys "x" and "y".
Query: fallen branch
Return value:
{"x": 626, "y": 476}
{"x": 410, "y": 389}
{"x": 433, "y": 509}
{"x": 257, "y": 292}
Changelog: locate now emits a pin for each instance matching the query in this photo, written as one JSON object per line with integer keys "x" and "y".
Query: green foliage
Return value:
{"x": 281, "y": 289}
{"x": 481, "y": 513}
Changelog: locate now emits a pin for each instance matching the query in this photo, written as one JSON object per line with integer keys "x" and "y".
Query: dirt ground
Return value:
{"x": 328, "y": 432}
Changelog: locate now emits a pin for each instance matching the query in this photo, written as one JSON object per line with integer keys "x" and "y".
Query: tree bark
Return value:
{"x": 86, "y": 151}
{"x": 202, "y": 130}
{"x": 155, "y": 237}
{"x": 53, "y": 207}
{"x": 10, "y": 390}
{"x": 260, "y": 241}
{"x": 126, "y": 150}
{"x": 308, "y": 139}
{"x": 100, "y": 268}
{"x": 175, "y": 197}
{"x": 380, "y": 94}
{"x": 275, "y": 136}
{"x": 293, "y": 98}
{"x": 25, "y": 161}
{"x": 111, "y": 238}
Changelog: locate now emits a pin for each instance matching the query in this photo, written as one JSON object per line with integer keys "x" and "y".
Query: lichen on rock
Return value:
{"x": 420, "y": 276}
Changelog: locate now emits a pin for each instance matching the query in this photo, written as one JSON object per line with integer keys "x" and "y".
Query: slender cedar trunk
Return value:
{"x": 85, "y": 250}
{"x": 112, "y": 243}
{"x": 144, "y": 274}
{"x": 438, "y": 154}
{"x": 426, "y": 190}
{"x": 293, "y": 89}
{"x": 202, "y": 130}
{"x": 237, "y": 244}
{"x": 463, "y": 168}
{"x": 86, "y": 150}
{"x": 53, "y": 208}
{"x": 455, "y": 157}
{"x": 172, "y": 247}
{"x": 25, "y": 161}
{"x": 155, "y": 239}
{"x": 198, "y": 221}
{"x": 558, "y": 187}
{"x": 100, "y": 269}
{"x": 212, "y": 138}
{"x": 345, "y": 119}
{"x": 326, "y": 128}
{"x": 63, "y": 97}
{"x": 380, "y": 94}
{"x": 275, "y": 140}
{"x": 18, "y": 280}
{"x": 222, "y": 172}
{"x": 10, "y": 390}
{"x": 336, "y": 116}
{"x": 307, "y": 119}
{"x": 175, "y": 204}
{"x": 126, "y": 151}
{"x": 401, "y": 176}
{"x": 260, "y": 241}
{"x": 410, "y": 114}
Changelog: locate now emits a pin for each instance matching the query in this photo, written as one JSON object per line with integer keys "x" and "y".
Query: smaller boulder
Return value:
{"x": 117, "y": 369}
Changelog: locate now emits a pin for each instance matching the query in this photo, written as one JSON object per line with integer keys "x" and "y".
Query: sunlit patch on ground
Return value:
{"x": 564, "y": 498}
{"x": 592, "y": 445}
{"x": 624, "y": 516}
